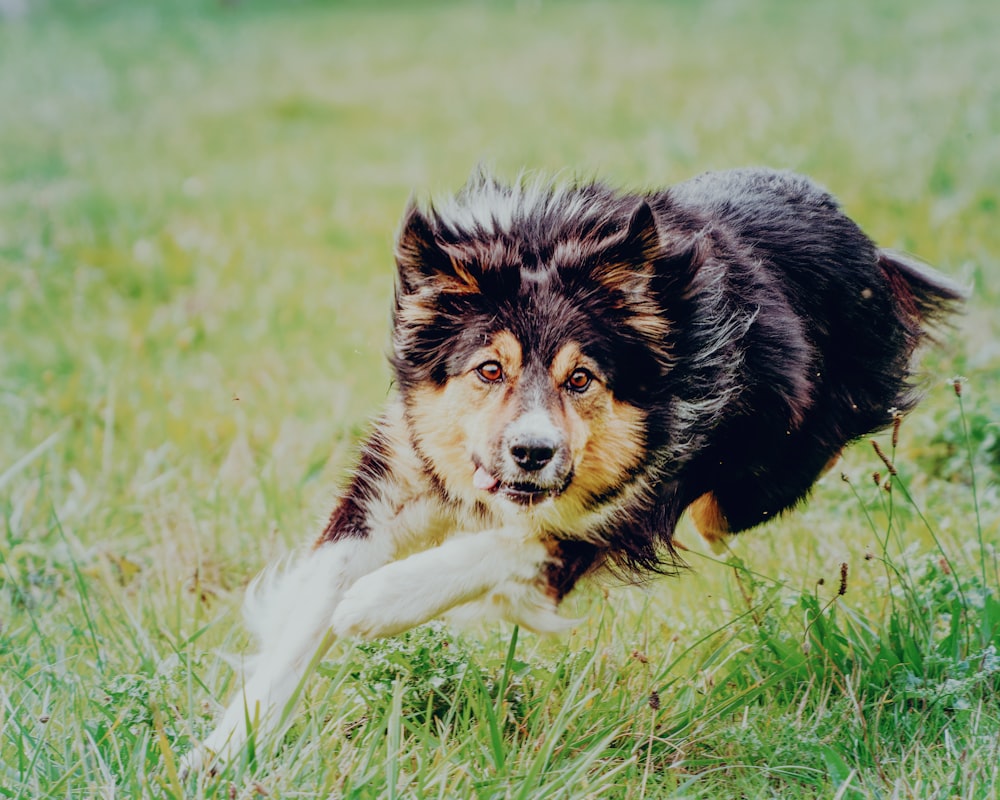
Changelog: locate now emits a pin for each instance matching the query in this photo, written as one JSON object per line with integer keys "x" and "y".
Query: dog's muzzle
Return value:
{"x": 532, "y": 465}
{"x": 531, "y": 455}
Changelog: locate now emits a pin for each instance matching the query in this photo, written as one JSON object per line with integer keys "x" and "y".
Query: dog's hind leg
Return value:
{"x": 288, "y": 610}
{"x": 710, "y": 521}
{"x": 750, "y": 499}
{"x": 503, "y": 567}
{"x": 713, "y": 523}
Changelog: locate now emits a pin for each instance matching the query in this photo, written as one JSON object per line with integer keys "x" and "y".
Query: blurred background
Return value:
{"x": 197, "y": 207}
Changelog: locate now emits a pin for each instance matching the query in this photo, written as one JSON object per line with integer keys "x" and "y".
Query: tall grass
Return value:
{"x": 197, "y": 202}
{"x": 874, "y": 689}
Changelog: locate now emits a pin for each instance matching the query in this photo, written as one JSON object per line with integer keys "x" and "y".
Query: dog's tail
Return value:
{"x": 925, "y": 296}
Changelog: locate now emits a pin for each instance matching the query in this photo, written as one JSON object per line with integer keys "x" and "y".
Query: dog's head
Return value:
{"x": 529, "y": 340}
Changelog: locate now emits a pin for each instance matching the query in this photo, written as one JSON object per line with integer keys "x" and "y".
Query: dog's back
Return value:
{"x": 833, "y": 309}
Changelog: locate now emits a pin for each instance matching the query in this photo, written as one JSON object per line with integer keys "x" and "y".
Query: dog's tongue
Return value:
{"x": 483, "y": 480}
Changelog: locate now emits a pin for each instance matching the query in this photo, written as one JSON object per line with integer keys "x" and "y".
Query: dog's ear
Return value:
{"x": 418, "y": 255}
{"x": 421, "y": 260}
{"x": 636, "y": 260}
{"x": 625, "y": 261}
{"x": 637, "y": 243}
{"x": 650, "y": 274}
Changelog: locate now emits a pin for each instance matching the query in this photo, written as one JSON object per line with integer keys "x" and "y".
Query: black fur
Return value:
{"x": 787, "y": 334}
{"x": 745, "y": 327}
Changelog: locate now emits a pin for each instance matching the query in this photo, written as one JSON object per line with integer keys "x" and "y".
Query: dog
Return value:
{"x": 575, "y": 367}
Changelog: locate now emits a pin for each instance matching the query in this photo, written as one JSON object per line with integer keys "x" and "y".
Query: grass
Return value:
{"x": 196, "y": 215}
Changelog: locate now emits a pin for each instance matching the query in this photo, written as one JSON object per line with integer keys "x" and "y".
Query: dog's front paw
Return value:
{"x": 381, "y": 603}
{"x": 360, "y": 611}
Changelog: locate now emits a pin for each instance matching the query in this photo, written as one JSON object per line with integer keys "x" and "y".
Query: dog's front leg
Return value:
{"x": 503, "y": 566}
{"x": 288, "y": 610}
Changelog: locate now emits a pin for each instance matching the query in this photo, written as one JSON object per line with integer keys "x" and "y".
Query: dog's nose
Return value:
{"x": 532, "y": 454}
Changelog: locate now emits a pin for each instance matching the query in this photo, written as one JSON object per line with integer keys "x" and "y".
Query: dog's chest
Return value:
{"x": 429, "y": 520}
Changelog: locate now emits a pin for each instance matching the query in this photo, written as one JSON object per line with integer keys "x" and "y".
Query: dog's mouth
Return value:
{"x": 524, "y": 493}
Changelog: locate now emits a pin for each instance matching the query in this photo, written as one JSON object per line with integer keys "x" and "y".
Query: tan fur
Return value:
{"x": 650, "y": 324}
{"x": 606, "y": 435}
{"x": 406, "y": 492}
{"x": 465, "y": 417}
{"x": 415, "y": 311}
{"x": 645, "y": 316}
{"x": 710, "y": 521}
{"x": 456, "y": 421}
{"x": 466, "y": 281}
{"x": 508, "y": 352}
{"x": 831, "y": 463}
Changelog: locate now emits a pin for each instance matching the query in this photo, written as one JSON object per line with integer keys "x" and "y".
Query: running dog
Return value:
{"x": 575, "y": 367}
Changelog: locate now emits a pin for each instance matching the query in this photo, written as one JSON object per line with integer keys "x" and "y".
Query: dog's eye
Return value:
{"x": 579, "y": 381}
{"x": 490, "y": 371}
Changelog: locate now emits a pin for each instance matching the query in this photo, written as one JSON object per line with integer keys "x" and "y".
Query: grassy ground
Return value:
{"x": 197, "y": 204}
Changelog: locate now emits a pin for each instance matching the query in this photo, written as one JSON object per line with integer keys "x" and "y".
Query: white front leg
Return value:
{"x": 288, "y": 611}
{"x": 501, "y": 566}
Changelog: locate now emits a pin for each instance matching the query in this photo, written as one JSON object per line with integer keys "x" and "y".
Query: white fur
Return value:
{"x": 502, "y": 564}
{"x": 534, "y": 423}
{"x": 423, "y": 556}
{"x": 288, "y": 610}
{"x": 352, "y": 587}
{"x": 493, "y": 207}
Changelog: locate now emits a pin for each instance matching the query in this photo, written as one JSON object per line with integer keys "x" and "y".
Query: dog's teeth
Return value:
{"x": 483, "y": 480}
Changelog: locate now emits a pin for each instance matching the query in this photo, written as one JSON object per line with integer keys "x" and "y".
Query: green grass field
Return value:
{"x": 197, "y": 205}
